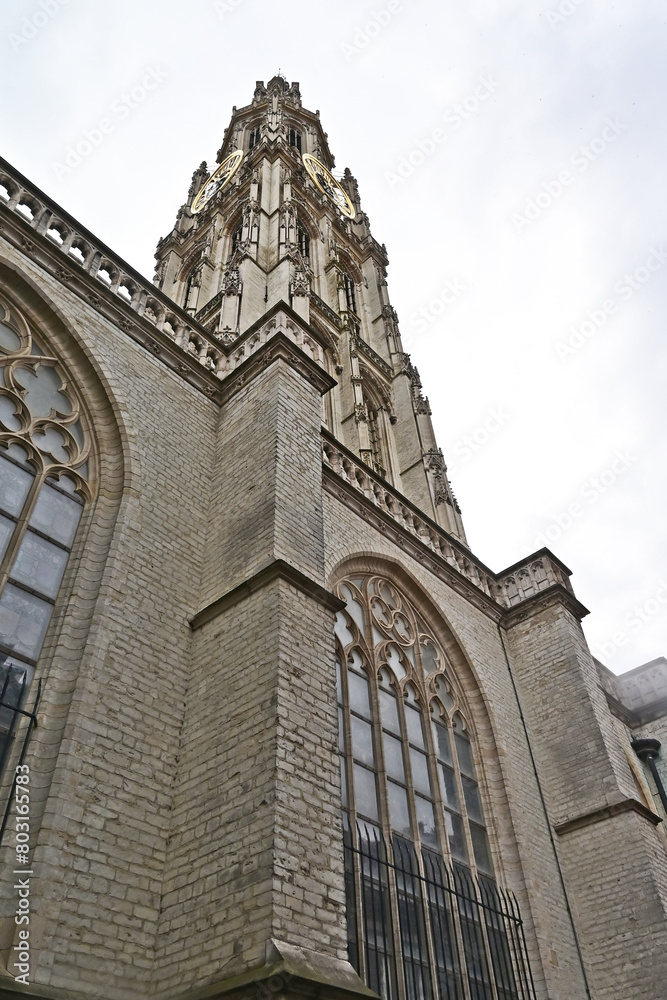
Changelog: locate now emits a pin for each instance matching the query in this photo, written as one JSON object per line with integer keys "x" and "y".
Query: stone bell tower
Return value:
{"x": 275, "y": 232}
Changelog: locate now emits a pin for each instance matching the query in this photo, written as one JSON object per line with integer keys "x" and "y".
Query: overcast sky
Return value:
{"x": 511, "y": 156}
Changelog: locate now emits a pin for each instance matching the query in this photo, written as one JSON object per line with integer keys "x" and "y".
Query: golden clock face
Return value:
{"x": 328, "y": 185}
{"x": 218, "y": 180}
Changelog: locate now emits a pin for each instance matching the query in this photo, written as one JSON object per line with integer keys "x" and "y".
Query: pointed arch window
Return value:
{"x": 303, "y": 240}
{"x": 350, "y": 297}
{"x": 254, "y": 138}
{"x": 295, "y": 139}
{"x": 237, "y": 237}
{"x": 425, "y": 917}
{"x": 45, "y": 473}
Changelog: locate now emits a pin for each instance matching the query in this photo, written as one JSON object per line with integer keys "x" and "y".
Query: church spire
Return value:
{"x": 274, "y": 222}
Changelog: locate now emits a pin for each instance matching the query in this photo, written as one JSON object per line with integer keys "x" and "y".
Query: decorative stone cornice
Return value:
{"x": 372, "y": 356}
{"x": 605, "y": 813}
{"x": 277, "y": 570}
{"x": 276, "y": 347}
{"x": 535, "y": 604}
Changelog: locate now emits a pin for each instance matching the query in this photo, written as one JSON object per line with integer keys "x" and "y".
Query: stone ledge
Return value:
{"x": 277, "y": 347}
{"x": 277, "y": 570}
{"x": 544, "y": 599}
{"x": 607, "y": 812}
{"x": 289, "y": 971}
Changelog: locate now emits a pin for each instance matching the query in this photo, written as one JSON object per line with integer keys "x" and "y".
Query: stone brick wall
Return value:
{"x": 256, "y": 841}
{"x": 520, "y": 842}
{"x": 116, "y": 665}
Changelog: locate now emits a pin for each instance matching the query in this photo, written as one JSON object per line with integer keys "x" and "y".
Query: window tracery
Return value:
{"x": 426, "y": 919}
{"x": 45, "y": 476}
{"x": 407, "y": 751}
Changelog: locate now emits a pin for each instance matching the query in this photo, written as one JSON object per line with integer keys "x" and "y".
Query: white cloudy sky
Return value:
{"x": 577, "y": 434}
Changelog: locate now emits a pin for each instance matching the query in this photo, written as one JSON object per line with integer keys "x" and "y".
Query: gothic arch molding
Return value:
{"x": 72, "y": 626}
{"x": 365, "y": 563}
{"x": 305, "y": 216}
{"x": 504, "y": 825}
{"x": 503, "y": 835}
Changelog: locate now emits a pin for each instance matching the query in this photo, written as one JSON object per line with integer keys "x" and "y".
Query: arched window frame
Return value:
{"x": 47, "y": 476}
{"x": 294, "y": 138}
{"x": 423, "y": 922}
{"x": 437, "y": 696}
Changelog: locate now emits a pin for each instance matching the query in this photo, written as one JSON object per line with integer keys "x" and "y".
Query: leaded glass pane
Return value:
{"x": 354, "y": 609}
{"x": 39, "y": 564}
{"x": 52, "y": 441}
{"x": 456, "y": 836}
{"x": 413, "y": 721}
{"x": 362, "y": 740}
{"x": 450, "y": 795}
{"x": 471, "y": 795}
{"x": 420, "y": 778}
{"x": 8, "y": 413}
{"x": 429, "y": 656}
{"x": 389, "y": 712}
{"x": 9, "y": 339}
{"x": 43, "y": 391}
{"x": 398, "y": 809}
{"x": 14, "y": 486}
{"x": 393, "y": 757}
{"x": 15, "y": 678}
{"x": 343, "y": 782}
{"x": 23, "y": 621}
{"x": 358, "y": 689}
{"x": 426, "y": 822}
{"x": 464, "y": 753}
{"x": 341, "y": 731}
{"x": 6, "y": 530}
{"x": 342, "y": 630}
{"x": 393, "y": 659}
{"x": 480, "y": 846}
{"x": 56, "y": 515}
{"x": 442, "y": 745}
{"x": 365, "y": 792}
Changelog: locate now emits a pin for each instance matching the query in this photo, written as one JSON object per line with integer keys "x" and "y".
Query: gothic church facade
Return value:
{"x": 279, "y": 730}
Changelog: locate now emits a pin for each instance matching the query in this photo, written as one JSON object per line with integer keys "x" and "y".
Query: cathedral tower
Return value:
{"x": 282, "y": 228}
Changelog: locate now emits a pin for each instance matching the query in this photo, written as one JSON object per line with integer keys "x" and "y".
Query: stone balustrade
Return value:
{"x": 80, "y": 248}
{"x": 537, "y": 573}
{"x": 218, "y": 356}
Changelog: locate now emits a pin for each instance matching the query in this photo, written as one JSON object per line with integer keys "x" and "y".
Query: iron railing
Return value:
{"x": 16, "y": 726}
{"x": 430, "y": 930}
